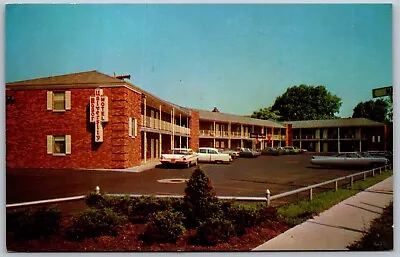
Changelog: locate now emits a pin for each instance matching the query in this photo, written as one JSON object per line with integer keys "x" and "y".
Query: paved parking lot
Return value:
{"x": 243, "y": 177}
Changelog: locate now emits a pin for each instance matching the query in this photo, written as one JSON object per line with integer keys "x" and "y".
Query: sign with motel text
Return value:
{"x": 98, "y": 113}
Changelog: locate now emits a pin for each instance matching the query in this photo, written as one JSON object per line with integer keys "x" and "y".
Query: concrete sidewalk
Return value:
{"x": 338, "y": 227}
{"x": 151, "y": 164}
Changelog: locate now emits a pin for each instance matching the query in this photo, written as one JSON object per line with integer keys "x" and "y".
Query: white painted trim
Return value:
{"x": 68, "y": 144}
{"x": 49, "y": 100}
{"x": 67, "y": 100}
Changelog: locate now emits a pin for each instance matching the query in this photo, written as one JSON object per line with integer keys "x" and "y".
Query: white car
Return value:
{"x": 208, "y": 154}
{"x": 180, "y": 156}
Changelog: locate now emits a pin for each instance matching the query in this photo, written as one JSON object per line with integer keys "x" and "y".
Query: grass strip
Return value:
{"x": 296, "y": 213}
{"x": 380, "y": 234}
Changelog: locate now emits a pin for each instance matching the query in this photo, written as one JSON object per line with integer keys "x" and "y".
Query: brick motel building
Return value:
{"x": 92, "y": 120}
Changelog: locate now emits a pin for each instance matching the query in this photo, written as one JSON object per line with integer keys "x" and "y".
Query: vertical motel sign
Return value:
{"x": 98, "y": 113}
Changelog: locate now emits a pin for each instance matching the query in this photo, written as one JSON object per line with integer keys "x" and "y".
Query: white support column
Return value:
{"x": 144, "y": 111}
{"x": 180, "y": 134}
{"x": 172, "y": 135}
{"x": 144, "y": 133}
{"x": 280, "y": 137}
{"x": 360, "y": 141}
{"x": 300, "y": 138}
{"x": 187, "y": 126}
{"x": 229, "y": 143}
{"x": 241, "y": 131}
{"x": 241, "y": 142}
{"x": 145, "y": 146}
{"x": 160, "y": 121}
{"x": 272, "y": 136}
{"x": 160, "y": 144}
{"x": 338, "y": 140}
{"x": 187, "y": 142}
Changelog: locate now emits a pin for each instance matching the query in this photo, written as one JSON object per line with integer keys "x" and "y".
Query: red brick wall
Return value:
{"x": 289, "y": 135}
{"x": 28, "y": 123}
{"x": 126, "y": 150}
{"x": 194, "y": 130}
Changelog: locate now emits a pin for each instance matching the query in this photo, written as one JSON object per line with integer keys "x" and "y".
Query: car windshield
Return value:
{"x": 220, "y": 151}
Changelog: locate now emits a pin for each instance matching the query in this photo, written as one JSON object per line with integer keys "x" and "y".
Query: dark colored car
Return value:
{"x": 248, "y": 153}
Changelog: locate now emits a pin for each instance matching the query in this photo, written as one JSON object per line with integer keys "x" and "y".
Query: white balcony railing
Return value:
{"x": 234, "y": 134}
{"x": 157, "y": 124}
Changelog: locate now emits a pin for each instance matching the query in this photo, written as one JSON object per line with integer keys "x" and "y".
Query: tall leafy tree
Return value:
{"x": 378, "y": 110}
{"x": 266, "y": 114}
{"x": 305, "y": 102}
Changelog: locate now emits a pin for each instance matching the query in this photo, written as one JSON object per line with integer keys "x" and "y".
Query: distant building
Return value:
{"x": 92, "y": 120}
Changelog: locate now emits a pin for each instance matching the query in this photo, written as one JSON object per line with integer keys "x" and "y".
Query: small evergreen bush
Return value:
{"x": 200, "y": 201}
{"x": 95, "y": 222}
{"x": 164, "y": 227}
{"x": 143, "y": 207}
{"x": 214, "y": 231}
{"x": 244, "y": 217}
{"x": 30, "y": 224}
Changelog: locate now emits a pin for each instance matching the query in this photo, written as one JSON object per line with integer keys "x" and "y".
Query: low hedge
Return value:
{"x": 34, "y": 224}
{"x": 95, "y": 222}
{"x": 164, "y": 227}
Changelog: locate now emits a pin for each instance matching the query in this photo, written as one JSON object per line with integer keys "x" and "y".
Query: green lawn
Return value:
{"x": 296, "y": 213}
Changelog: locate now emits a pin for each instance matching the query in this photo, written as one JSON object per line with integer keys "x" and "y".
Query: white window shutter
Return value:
{"x": 67, "y": 100}
{"x": 135, "y": 127}
{"x": 49, "y": 144}
{"x": 130, "y": 127}
{"x": 379, "y": 139}
{"x": 68, "y": 144}
{"x": 49, "y": 100}
{"x": 373, "y": 139}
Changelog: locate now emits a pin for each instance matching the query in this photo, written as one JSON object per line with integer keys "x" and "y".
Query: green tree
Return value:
{"x": 266, "y": 114}
{"x": 305, "y": 102}
{"x": 378, "y": 110}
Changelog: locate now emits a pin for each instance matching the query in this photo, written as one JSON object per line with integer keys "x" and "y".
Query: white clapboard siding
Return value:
{"x": 49, "y": 144}
{"x": 68, "y": 144}
{"x": 67, "y": 100}
{"x": 49, "y": 100}
{"x": 130, "y": 126}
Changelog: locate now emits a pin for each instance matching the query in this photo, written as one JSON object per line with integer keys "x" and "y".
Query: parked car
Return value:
{"x": 291, "y": 150}
{"x": 247, "y": 152}
{"x": 272, "y": 151}
{"x": 387, "y": 154}
{"x": 234, "y": 154}
{"x": 350, "y": 159}
{"x": 180, "y": 156}
{"x": 208, "y": 154}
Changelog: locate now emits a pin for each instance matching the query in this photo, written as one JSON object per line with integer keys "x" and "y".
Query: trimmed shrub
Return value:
{"x": 143, "y": 207}
{"x": 119, "y": 204}
{"x": 164, "y": 227}
{"x": 243, "y": 217}
{"x": 95, "y": 222}
{"x": 214, "y": 231}
{"x": 200, "y": 202}
{"x": 29, "y": 224}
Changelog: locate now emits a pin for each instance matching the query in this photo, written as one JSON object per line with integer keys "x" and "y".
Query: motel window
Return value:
{"x": 58, "y": 100}
{"x": 59, "y": 145}
{"x": 222, "y": 144}
{"x": 216, "y": 144}
{"x": 132, "y": 127}
{"x": 379, "y": 139}
{"x": 373, "y": 139}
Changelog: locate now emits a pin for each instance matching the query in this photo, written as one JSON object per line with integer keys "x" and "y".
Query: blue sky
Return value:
{"x": 236, "y": 57}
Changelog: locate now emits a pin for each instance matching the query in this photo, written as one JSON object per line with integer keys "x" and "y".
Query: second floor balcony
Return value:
{"x": 158, "y": 125}
{"x": 234, "y": 135}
